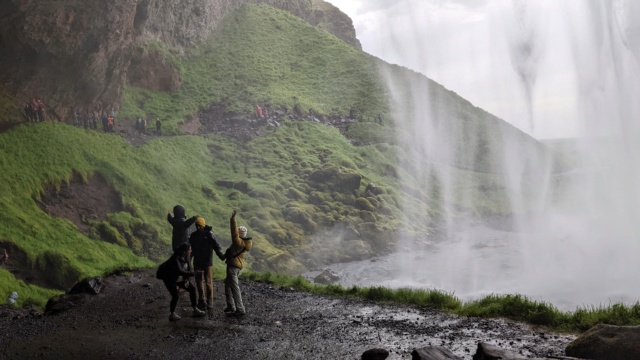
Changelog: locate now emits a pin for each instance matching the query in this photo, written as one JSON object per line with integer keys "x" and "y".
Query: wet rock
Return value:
{"x": 12, "y": 299}
{"x": 433, "y": 353}
{"x": 62, "y": 303}
{"x": 372, "y": 190}
{"x": 607, "y": 342}
{"x": 326, "y": 277}
{"x": 491, "y": 352}
{"x": 375, "y": 354}
{"x": 92, "y": 286}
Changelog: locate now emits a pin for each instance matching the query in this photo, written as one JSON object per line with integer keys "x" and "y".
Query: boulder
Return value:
{"x": 375, "y": 354}
{"x": 372, "y": 190}
{"x": 64, "y": 302}
{"x": 492, "y": 352}
{"x": 326, "y": 277}
{"x": 92, "y": 286}
{"x": 433, "y": 353}
{"x": 608, "y": 342}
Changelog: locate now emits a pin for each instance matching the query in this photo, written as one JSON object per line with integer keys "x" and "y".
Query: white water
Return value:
{"x": 582, "y": 246}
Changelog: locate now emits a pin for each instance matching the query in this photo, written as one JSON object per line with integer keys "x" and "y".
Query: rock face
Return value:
{"x": 77, "y": 53}
{"x": 151, "y": 70}
{"x": 607, "y": 342}
{"x": 46, "y": 44}
{"x": 490, "y": 352}
{"x": 330, "y": 18}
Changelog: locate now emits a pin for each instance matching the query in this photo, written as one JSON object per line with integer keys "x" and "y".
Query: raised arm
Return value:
{"x": 190, "y": 221}
{"x": 234, "y": 227}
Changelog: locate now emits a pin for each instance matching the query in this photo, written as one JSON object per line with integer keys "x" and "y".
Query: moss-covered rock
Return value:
{"x": 365, "y": 204}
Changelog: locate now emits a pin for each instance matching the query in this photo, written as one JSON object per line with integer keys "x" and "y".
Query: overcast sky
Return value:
{"x": 517, "y": 59}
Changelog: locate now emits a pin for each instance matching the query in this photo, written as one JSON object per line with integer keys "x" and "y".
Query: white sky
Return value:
{"x": 470, "y": 47}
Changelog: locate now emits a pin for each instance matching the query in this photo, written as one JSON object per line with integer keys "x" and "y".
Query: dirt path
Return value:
{"x": 129, "y": 320}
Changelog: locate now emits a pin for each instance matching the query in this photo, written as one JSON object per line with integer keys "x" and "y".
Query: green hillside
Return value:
{"x": 264, "y": 55}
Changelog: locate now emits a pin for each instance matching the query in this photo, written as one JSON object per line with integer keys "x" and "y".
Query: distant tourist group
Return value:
{"x": 35, "y": 110}
{"x": 141, "y": 126}
{"x": 90, "y": 119}
{"x": 190, "y": 267}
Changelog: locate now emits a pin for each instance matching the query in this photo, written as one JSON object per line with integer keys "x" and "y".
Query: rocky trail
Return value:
{"x": 129, "y": 320}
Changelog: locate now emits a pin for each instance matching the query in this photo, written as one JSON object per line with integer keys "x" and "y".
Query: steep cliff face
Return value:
{"x": 182, "y": 24}
{"x": 69, "y": 53}
{"x": 330, "y": 18}
{"x": 77, "y": 53}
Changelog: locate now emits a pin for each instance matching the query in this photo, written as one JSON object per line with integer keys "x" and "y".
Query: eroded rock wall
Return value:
{"x": 77, "y": 53}
{"x": 66, "y": 52}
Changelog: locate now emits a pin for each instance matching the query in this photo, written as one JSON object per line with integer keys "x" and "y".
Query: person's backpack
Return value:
{"x": 162, "y": 270}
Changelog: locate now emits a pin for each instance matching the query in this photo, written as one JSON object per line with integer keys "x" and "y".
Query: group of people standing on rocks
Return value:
{"x": 193, "y": 258}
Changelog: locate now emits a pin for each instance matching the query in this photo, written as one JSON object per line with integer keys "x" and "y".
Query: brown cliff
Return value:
{"x": 66, "y": 52}
{"x": 80, "y": 53}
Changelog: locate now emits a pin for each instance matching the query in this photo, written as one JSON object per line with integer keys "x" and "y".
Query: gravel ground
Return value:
{"x": 129, "y": 320}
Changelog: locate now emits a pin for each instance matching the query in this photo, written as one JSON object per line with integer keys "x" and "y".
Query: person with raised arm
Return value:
{"x": 235, "y": 256}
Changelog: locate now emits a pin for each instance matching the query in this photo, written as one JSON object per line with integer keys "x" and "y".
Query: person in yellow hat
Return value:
{"x": 203, "y": 243}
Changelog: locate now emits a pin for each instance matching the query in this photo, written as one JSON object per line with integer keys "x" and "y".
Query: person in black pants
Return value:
{"x": 176, "y": 273}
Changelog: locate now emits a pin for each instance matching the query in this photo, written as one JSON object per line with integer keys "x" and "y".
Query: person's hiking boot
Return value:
{"x": 240, "y": 313}
{"x": 202, "y": 305}
{"x": 174, "y": 317}
{"x": 229, "y": 310}
{"x": 198, "y": 313}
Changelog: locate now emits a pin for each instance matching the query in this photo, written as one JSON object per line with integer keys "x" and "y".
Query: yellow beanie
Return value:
{"x": 200, "y": 222}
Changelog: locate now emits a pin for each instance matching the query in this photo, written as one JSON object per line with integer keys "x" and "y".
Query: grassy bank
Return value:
{"x": 514, "y": 307}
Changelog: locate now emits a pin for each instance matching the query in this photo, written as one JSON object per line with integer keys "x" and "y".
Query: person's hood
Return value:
{"x": 179, "y": 211}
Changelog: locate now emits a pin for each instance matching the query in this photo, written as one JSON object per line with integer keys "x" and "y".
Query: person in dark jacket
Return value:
{"x": 180, "y": 225}
{"x": 240, "y": 245}
{"x": 203, "y": 242}
{"x": 176, "y": 276}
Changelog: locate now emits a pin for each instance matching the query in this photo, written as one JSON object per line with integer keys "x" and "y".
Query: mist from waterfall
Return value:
{"x": 573, "y": 239}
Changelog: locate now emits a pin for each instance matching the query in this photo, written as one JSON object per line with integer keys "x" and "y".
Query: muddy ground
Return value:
{"x": 129, "y": 320}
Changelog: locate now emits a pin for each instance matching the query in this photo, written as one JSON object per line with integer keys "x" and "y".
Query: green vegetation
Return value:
{"x": 292, "y": 185}
{"x": 209, "y": 175}
{"x": 9, "y": 109}
{"x": 514, "y": 307}
{"x": 268, "y": 56}
{"x": 28, "y": 295}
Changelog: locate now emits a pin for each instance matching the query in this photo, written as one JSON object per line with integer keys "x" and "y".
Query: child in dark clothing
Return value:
{"x": 180, "y": 225}
{"x": 176, "y": 276}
